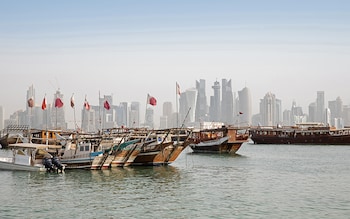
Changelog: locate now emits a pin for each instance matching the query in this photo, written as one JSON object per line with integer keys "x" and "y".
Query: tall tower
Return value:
{"x": 336, "y": 110}
{"x": 227, "y": 102}
{"x": 30, "y": 94}
{"x": 58, "y": 115}
{"x": 312, "y": 112}
{"x": 149, "y": 120}
{"x": 244, "y": 107}
{"x": 122, "y": 114}
{"x": 29, "y": 110}
{"x": 320, "y": 107}
{"x": 270, "y": 110}
{"x": 188, "y": 100}
{"x": 201, "y": 110}
{"x": 167, "y": 115}
{"x": 107, "y": 117}
{"x": 214, "y": 110}
{"x": 134, "y": 115}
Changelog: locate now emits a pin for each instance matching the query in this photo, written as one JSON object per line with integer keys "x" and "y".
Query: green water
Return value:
{"x": 262, "y": 181}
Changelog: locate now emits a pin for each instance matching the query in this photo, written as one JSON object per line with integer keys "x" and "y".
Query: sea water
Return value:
{"x": 261, "y": 181}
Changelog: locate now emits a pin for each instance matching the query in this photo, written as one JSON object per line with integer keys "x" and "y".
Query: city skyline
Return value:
{"x": 131, "y": 49}
{"x": 239, "y": 110}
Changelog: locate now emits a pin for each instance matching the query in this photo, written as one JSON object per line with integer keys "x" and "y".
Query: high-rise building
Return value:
{"x": 122, "y": 114}
{"x": 215, "y": 103}
{"x": 58, "y": 114}
{"x": 29, "y": 109}
{"x": 134, "y": 115}
{"x": 278, "y": 112}
{"x": 244, "y": 107}
{"x": 312, "y": 112}
{"x": 270, "y": 110}
{"x": 336, "y": 110}
{"x": 201, "y": 110}
{"x": 166, "y": 121}
{"x": 227, "y": 102}
{"x": 107, "y": 116}
{"x": 188, "y": 100}
{"x": 88, "y": 120}
{"x": 346, "y": 115}
{"x": 30, "y": 94}
{"x": 320, "y": 107}
{"x": 149, "y": 118}
{"x": 297, "y": 116}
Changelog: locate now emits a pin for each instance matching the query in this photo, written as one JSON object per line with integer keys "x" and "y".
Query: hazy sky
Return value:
{"x": 131, "y": 48}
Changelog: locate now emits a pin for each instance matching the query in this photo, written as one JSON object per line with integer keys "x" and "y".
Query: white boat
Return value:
{"x": 28, "y": 157}
{"x": 79, "y": 157}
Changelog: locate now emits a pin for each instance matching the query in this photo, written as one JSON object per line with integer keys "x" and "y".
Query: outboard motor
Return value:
{"x": 57, "y": 163}
{"x": 48, "y": 164}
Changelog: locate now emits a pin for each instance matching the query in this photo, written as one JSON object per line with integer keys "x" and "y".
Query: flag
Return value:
{"x": 72, "y": 101}
{"x": 151, "y": 100}
{"x": 58, "y": 102}
{"x": 86, "y": 104}
{"x": 31, "y": 102}
{"x": 178, "y": 89}
{"x": 43, "y": 105}
{"x": 106, "y": 105}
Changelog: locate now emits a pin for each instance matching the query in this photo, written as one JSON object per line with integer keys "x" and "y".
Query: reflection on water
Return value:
{"x": 162, "y": 173}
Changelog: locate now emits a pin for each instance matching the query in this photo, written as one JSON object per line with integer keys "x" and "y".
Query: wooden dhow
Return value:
{"x": 304, "y": 133}
{"x": 224, "y": 139}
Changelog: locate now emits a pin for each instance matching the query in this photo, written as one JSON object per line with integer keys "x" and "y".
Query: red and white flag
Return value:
{"x": 44, "y": 104}
{"x": 86, "y": 104}
{"x": 151, "y": 100}
{"x": 106, "y": 105}
{"x": 72, "y": 104}
{"x": 31, "y": 102}
{"x": 58, "y": 102}
{"x": 178, "y": 89}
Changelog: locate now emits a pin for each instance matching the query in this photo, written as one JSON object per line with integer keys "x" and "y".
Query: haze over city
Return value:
{"x": 129, "y": 49}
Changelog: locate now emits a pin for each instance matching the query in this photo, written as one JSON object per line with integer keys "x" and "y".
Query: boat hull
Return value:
{"x": 13, "y": 166}
{"x": 302, "y": 137}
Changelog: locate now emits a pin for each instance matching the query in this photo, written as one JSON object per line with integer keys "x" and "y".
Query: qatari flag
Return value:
{"x": 58, "y": 102}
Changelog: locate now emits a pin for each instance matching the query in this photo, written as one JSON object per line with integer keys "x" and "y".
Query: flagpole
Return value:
{"x": 75, "y": 120}
{"x": 84, "y": 111}
{"x": 43, "y": 107}
{"x": 99, "y": 110}
{"x": 146, "y": 109}
{"x": 56, "y": 118}
{"x": 177, "y": 108}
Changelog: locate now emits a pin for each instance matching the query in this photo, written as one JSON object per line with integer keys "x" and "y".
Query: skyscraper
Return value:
{"x": 227, "y": 102}
{"x": 201, "y": 110}
{"x": 320, "y": 107}
{"x": 122, "y": 114}
{"x": 134, "y": 114}
{"x": 58, "y": 115}
{"x": 270, "y": 110}
{"x": 167, "y": 115}
{"x": 215, "y": 103}
{"x": 244, "y": 107}
{"x": 29, "y": 109}
{"x": 336, "y": 110}
{"x": 107, "y": 116}
{"x": 188, "y": 100}
{"x": 149, "y": 118}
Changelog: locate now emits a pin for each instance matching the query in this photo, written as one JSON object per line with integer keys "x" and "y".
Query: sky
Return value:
{"x": 129, "y": 49}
